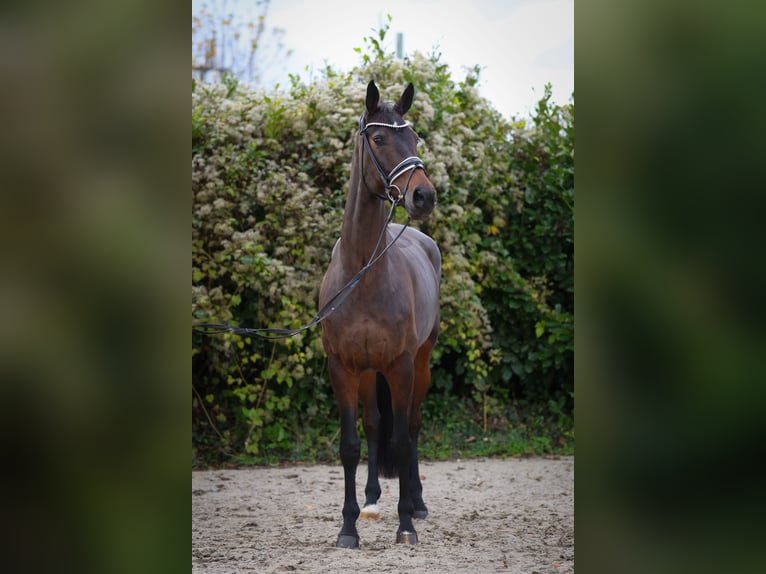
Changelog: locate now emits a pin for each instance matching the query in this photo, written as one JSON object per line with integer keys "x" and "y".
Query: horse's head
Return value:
{"x": 392, "y": 145}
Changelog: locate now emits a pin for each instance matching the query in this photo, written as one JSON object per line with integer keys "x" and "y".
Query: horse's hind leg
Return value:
{"x": 346, "y": 386}
{"x": 371, "y": 421}
{"x": 416, "y": 487}
{"x": 422, "y": 381}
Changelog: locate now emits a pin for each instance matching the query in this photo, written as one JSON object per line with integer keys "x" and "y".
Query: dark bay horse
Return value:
{"x": 379, "y": 341}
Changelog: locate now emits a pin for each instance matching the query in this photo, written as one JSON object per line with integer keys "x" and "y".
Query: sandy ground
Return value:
{"x": 485, "y": 515}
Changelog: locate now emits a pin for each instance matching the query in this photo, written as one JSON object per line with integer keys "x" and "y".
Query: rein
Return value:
{"x": 409, "y": 164}
{"x": 324, "y": 312}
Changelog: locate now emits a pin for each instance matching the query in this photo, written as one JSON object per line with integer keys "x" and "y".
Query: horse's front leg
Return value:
{"x": 400, "y": 378}
{"x": 346, "y": 388}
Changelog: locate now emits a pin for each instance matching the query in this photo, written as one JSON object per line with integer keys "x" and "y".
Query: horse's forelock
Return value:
{"x": 386, "y": 113}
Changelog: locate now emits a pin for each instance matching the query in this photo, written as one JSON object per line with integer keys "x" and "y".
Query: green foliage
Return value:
{"x": 269, "y": 175}
{"x": 454, "y": 427}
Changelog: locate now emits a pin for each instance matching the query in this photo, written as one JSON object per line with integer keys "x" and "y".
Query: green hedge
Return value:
{"x": 269, "y": 173}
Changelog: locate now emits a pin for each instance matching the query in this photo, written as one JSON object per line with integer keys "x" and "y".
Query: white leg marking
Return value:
{"x": 370, "y": 512}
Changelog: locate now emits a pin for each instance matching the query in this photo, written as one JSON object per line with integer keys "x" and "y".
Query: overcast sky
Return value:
{"x": 520, "y": 44}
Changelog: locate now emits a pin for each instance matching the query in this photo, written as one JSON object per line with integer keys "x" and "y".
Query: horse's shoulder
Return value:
{"x": 415, "y": 237}
{"x": 426, "y": 241}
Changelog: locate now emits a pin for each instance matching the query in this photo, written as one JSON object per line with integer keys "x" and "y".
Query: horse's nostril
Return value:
{"x": 423, "y": 197}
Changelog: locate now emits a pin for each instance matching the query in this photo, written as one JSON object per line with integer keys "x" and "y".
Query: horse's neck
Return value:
{"x": 363, "y": 220}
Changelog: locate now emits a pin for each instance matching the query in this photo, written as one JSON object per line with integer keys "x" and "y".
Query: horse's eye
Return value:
{"x": 379, "y": 140}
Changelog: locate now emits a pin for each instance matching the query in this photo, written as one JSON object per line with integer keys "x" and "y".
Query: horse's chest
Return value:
{"x": 366, "y": 343}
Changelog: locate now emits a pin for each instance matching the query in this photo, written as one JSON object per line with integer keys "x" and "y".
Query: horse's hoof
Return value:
{"x": 371, "y": 512}
{"x": 406, "y": 537}
{"x": 420, "y": 514}
{"x": 347, "y": 541}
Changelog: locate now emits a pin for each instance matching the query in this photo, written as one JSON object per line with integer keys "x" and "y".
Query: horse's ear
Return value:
{"x": 405, "y": 101}
{"x": 373, "y": 96}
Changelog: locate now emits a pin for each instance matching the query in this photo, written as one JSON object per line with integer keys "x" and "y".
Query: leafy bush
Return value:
{"x": 269, "y": 175}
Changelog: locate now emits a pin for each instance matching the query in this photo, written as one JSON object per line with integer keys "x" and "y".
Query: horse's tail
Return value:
{"x": 387, "y": 466}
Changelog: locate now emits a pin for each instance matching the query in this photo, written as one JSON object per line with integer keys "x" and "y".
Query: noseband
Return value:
{"x": 409, "y": 164}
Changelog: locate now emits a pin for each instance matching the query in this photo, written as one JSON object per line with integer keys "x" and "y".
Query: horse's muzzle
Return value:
{"x": 420, "y": 203}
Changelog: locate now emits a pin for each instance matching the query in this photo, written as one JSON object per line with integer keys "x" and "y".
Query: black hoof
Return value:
{"x": 406, "y": 538}
{"x": 420, "y": 514}
{"x": 347, "y": 541}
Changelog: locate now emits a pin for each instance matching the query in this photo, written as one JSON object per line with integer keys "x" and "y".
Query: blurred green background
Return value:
{"x": 94, "y": 284}
{"x": 669, "y": 352}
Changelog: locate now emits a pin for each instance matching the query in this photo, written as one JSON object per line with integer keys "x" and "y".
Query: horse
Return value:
{"x": 379, "y": 341}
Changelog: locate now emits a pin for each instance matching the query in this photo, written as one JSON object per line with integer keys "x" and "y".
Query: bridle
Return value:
{"x": 409, "y": 164}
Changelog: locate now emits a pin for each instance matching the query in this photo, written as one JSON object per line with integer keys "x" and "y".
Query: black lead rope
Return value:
{"x": 324, "y": 312}
{"x": 409, "y": 164}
